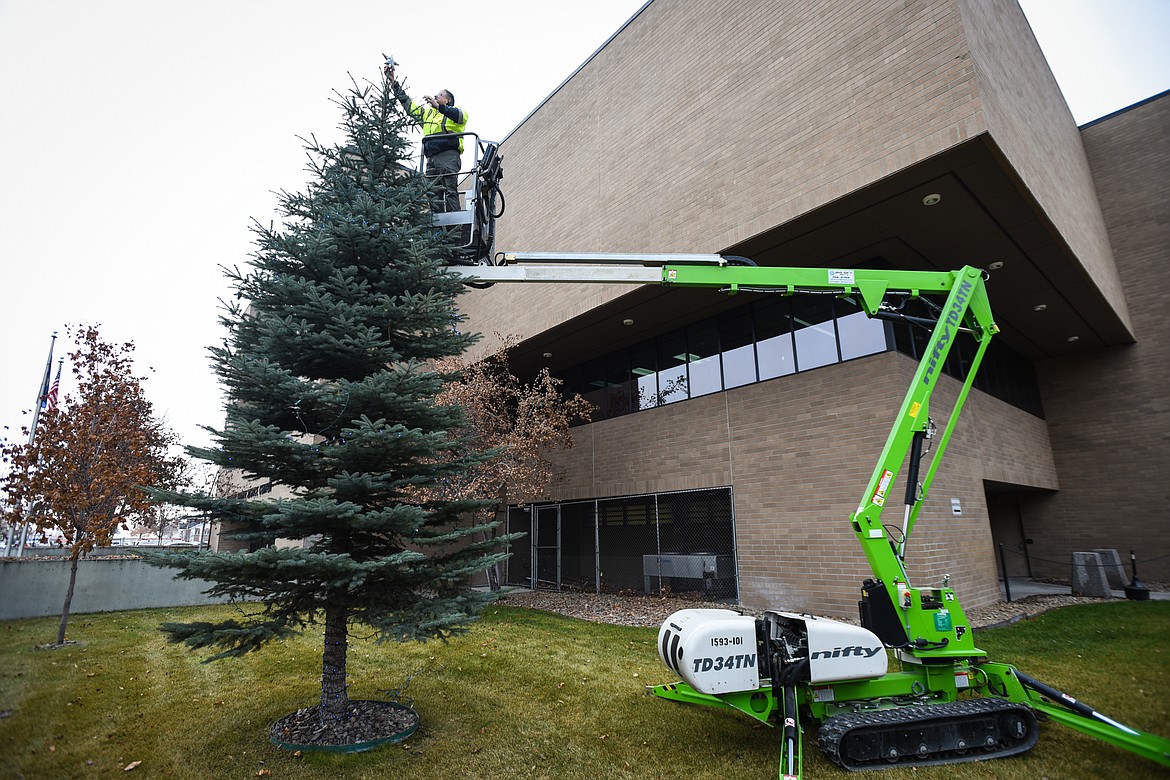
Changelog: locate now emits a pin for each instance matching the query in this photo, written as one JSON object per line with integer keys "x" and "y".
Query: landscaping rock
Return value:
{"x": 650, "y": 611}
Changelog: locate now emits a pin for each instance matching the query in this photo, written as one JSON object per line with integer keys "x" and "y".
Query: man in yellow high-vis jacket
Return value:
{"x": 440, "y": 120}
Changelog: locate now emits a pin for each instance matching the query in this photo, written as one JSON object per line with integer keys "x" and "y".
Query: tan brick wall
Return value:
{"x": 684, "y": 135}
{"x": 1109, "y": 411}
{"x": 799, "y": 451}
{"x": 1030, "y": 123}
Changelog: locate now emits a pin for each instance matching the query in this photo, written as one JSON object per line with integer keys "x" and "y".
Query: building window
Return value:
{"x": 704, "y": 370}
{"x": 858, "y": 333}
{"x": 672, "y": 368}
{"x": 816, "y": 332}
{"x": 771, "y": 337}
{"x": 775, "y": 350}
{"x": 1004, "y": 373}
{"x": 737, "y": 341}
{"x": 677, "y": 542}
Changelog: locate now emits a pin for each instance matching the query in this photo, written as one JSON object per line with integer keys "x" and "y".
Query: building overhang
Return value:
{"x": 961, "y": 207}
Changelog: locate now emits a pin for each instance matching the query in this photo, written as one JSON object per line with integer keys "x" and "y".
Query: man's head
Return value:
{"x": 445, "y": 97}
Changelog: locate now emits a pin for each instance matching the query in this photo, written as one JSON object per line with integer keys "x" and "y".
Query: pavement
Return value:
{"x": 1021, "y": 587}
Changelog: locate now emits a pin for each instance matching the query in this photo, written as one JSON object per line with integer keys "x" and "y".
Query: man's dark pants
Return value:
{"x": 442, "y": 168}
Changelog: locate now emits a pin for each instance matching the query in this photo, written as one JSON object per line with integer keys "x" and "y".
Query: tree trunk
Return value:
{"x": 334, "y": 696}
{"x": 501, "y": 508}
{"x": 493, "y": 576}
{"x": 68, "y": 597}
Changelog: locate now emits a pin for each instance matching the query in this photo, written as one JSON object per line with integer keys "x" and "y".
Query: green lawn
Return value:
{"x": 525, "y": 694}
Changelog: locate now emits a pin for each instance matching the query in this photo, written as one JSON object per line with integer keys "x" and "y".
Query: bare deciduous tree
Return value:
{"x": 84, "y": 472}
{"x": 525, "y": 420}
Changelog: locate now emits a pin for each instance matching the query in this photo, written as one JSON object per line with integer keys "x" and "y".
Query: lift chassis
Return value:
{"x": 945, "y": 702}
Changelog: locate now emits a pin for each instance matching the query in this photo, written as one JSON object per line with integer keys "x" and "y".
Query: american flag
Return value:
{"x": 51, "y": 396}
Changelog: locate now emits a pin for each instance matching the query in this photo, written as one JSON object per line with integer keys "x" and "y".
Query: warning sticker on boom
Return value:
{"x": 879, "y": 495}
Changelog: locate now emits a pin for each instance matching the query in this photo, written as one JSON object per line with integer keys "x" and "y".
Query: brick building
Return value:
{"x": 926, "y": 134}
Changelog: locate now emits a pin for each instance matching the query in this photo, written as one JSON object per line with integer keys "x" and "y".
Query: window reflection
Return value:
{"x": 705, "y": 375}
{"x": 592, "y": 386}
{"x": 672, "y": 368}
{"x": 617, "y": 380}
{"x": 738, "y": 342}
{"x": 772, "y": 337}
{"x": 643, "y": 367}
{"x": 816, "y": 336}
{"x": 859, "y": 334}
{"x": 774, "y": 348}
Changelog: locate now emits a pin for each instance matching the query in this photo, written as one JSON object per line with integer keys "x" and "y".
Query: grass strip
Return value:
{"x": 525, "y": 694}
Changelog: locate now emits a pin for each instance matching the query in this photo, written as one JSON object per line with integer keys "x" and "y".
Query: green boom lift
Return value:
{"x": 947, "y": 702}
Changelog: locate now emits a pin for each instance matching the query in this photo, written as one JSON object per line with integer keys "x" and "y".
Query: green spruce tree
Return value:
{"x": 328, "y": 368}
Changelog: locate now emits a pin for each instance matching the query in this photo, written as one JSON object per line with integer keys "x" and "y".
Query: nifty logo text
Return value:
{"x": 950, "y": 325}
{"x": 846, "y": 652}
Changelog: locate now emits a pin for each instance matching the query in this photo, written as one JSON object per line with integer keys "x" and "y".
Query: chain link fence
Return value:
{"x": 679, "y": 542}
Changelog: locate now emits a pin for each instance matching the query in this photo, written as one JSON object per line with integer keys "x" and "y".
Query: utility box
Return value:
{"x": 706, "y": 567}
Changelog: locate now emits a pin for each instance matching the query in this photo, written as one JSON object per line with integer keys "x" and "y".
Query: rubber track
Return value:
{"x": 912, "y": 725}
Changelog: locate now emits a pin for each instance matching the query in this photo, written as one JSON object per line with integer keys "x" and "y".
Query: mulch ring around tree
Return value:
{"x": 55, "y": 646}
{"x": 364, "y": 726}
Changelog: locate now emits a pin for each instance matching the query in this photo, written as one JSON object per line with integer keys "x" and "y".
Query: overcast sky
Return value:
{"x": 139, "y": 138}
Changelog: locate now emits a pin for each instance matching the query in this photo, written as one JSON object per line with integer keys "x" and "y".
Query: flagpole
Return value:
{"x": 43, "y": 393}
{"x": 42, "y": 398}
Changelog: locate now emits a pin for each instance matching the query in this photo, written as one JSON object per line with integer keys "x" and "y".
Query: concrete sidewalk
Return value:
{"x": 1022, "y": 586}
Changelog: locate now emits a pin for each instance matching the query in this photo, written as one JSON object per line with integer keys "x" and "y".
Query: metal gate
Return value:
{"x": 679, "y": 542}
{"x": 546, "y": 547}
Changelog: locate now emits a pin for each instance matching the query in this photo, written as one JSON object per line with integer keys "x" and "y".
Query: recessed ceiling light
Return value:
{"x": 998, "y": 264}
{"x": 1040, "y": 307}
{"x": 548, "y": 354}
{"x": 627, "y": 321}
{"x": 931, "y": 199}
{"x": 1074, "y": 338}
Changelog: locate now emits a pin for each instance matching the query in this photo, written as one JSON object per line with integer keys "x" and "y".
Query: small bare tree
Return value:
{"x": 524, "y": 420}
{"x": 84, "y": 471}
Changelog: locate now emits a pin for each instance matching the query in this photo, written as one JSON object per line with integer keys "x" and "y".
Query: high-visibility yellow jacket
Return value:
{"x": 435, "y": 123}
